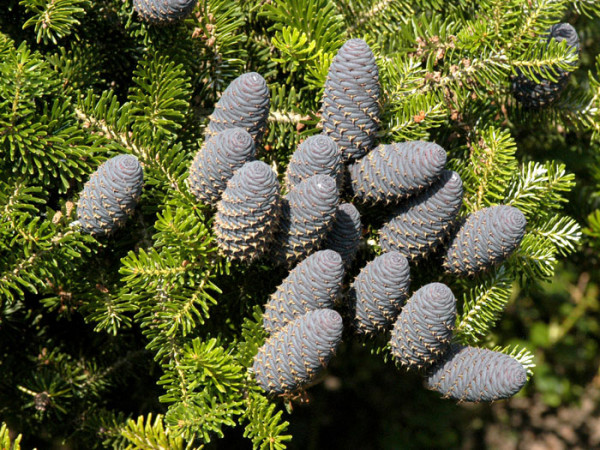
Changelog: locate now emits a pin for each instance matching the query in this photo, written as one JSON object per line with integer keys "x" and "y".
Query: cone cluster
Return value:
{"x": 163, "y": 12}
{"x": 535, "y": 95}
{"x": 217, "y": 160}
{"x": 484, "y": 239}
{"x": 245, "y": 104}
{"x": 294, "y": 356}
{"x": 350, "y": 107}
{"x": 470, "y": 374}
{"x": 313, "y": 284}
{"x": 110, "y": 195}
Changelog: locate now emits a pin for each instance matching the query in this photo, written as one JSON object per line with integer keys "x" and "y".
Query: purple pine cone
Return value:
{"x": 391, "y": 173}
{"x": 421, "y": 223}
{"x": 110, "y": 195}
{"x": 350, "y": 110}
{"x": 248, "y": 212}
{"x": 378, "y": 292}
{"x": 484, "y": 239}
{"x": 313, "y": 284}
{"x": 245, "y": 103}
{"x": 534, "y": 95}
{"x": 344, "y": 237}
{"x": 308, "y": 212}
{"x": 163, "y": 11}
{"x": 317, "y": 155}
{"x": 216, "y": 161}
{"x": 470, "y": 374}
{"x": 296, "y": 354}
{"x": 423, "y": 331}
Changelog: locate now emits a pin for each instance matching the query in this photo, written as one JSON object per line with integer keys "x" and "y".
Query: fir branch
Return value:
{"x": 54, "y": 19}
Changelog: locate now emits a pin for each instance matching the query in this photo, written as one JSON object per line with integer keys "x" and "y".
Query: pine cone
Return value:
{"x": 391, "y": 173}
{"x": 313, "y": 284}
{"x": 344, "y": 237}
{"x": 317, "y": 155}
{"x": 216, "y": 161}
{"x": 307, "y": 215}
{"x": 424, "y": 328}
{"x": 378, "y": 292}
{"x": 350, "y": 111}
{"x": 484, "y": 239}
{"x": 423, "y": 221}
{"x": 296, "y": 354}
{"x": 534, "y": 95}
{"x": 470, "y": 374}
{"x": 248, "y": 212}
{"x": 163, "y": 12}
{"x": 110, "y": 195}
{"x": 245, "y": 103}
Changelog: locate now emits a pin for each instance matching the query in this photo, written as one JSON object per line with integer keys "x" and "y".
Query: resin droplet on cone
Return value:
{"x": 111, "y": 195}
{"x": 296, "y": 354}
{"x": 313, "y": 284}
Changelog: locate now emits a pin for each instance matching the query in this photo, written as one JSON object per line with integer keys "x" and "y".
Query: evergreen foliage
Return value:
{"x": 147, "y": 337}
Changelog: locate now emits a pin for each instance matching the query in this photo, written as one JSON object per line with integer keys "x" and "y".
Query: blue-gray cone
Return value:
{"x": 345, "y": 235}
{"x": 378, "y": 293}
{"x": 296, "y": 354}
{"x": 317, "y": 155}
{"x": 470, "y": 374}
{"x": 484, "y": 240}
{"x": 216, "y": 161}
{"x": 534, "y": 95}
{"x": 423, "y": 330}
{"x": 420, "y": 224}
{"x": 350, "y": 109}
{"x": 248, "y": 212}
{"x": 391, "y": 173}
{"x": 245, "y": 104}
{"x": 313, "y": 284}
{"x": 308, "y": 212}
{"x": 163, "y": 12}
{"x": 110, "y": 195}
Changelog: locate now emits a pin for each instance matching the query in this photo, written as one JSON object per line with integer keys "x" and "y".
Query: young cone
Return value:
{"x": 110, "y": 195}
{"x": 420, "y": 224}
{"x": 245, "y": 104}
{"x": 534, "y": 95}
{"x": 424, "y": 328}
{"x": 317, "y": 155}
{"x": 350, "y": 110}
{"x": 307, "y": 215}
{"x": 216, "y": 161}
{"x": 344, "y": 237}
{"x": 163, "y": 12}
{"x": 378, "y": 292}
{"x": 391, "y": 173}
{"x": 296, "y": 354}
{"x": 470, "y": 374}
{"x": 484, "y": 239}
{"x": 313, "y": 284}
{"x": 248, "y": 212}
